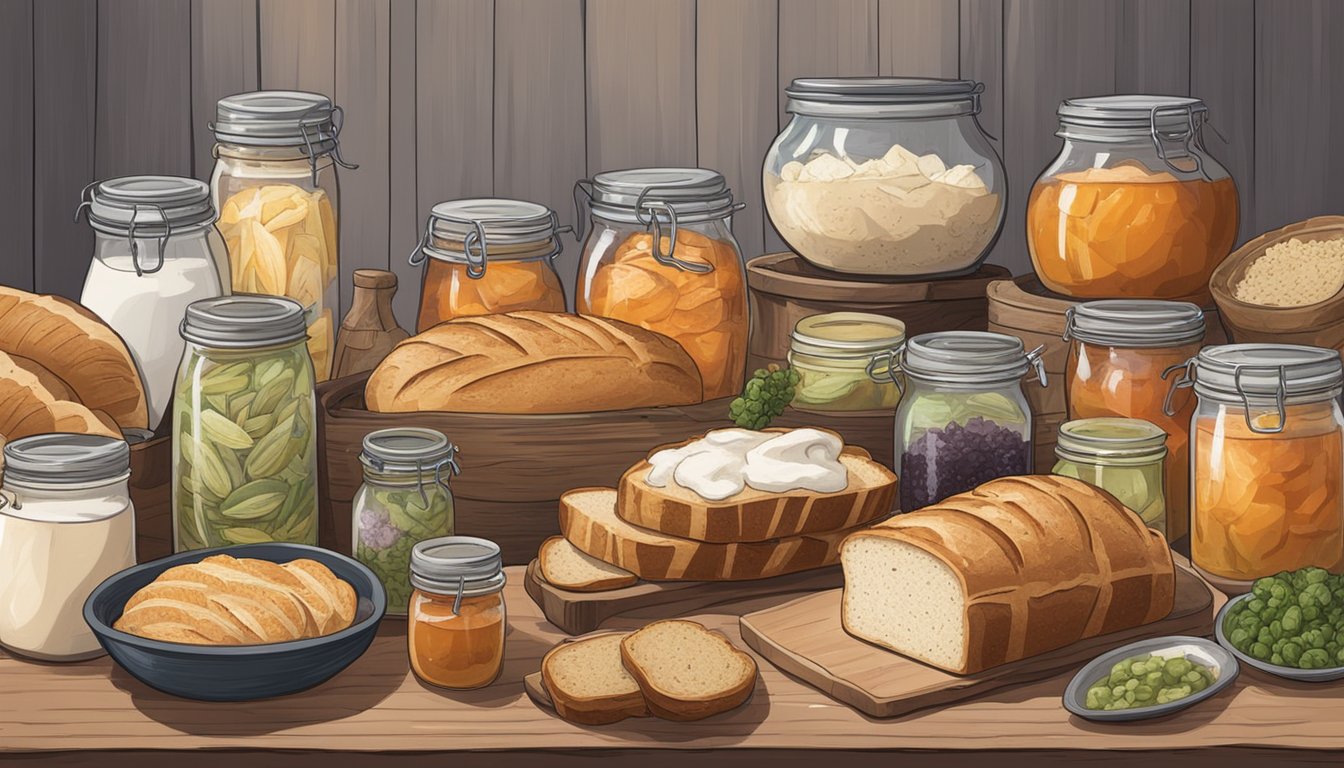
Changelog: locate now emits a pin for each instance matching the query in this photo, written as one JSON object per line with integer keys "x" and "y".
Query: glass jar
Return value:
{"x": 846, "y": 361}
{"x": 1267, "y": 460}
{"x": 1133, "y": 205}
{"x": 1123, "y": 457}
{"x": 278, "y": 198}
{"x": 404, "y": 500}
{"x": 964, "y": 419}
{"x": 155, "y": 251}
{"x": 66, "y": 525}
{"x": 457, "y": 619}
{"x": 886, "y": 176}
{"x": 661, "y": 255}
{"x": 485, "y": 256}
{"x": 1122, "y": 351}
{"x": 245, "y": 467}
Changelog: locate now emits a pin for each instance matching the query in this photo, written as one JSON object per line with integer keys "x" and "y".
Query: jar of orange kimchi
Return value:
{"x": 1133, "y": 205}
{"x": 1121, "y": 350}
{"x": 485, "y": 256}
{"x": 1267, "y": 460}
{"x": 661, "y": 255}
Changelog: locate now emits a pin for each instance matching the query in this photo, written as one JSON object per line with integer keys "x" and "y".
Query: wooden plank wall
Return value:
{"x": 449, "y": 98}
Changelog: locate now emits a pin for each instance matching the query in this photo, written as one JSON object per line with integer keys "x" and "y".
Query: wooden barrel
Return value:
{"x": 1024, "y": 308}
{"x": 785, "y": 289}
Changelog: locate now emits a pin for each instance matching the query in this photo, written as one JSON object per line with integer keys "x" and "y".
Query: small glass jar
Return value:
{"x": 1134, "y": 205}
{"x": 455, "y": 631}
{"x": 485, "y": 256}
{"x": 404, "y": 500}
{"x": 1122, "y": 457}
{"x": 275, "y": 187}
{"x": 155, "y": 251}
{"x": 1122, "y": 350}
{"x": 1267, "y": 460}
{"x": 661, "y": 255}
{"x": 846, "y": 361}
{"x": 245, "y": 464}
{"x": 66, "y": 525}
{"x": 886, "y": 176}
{"x": 964, "y": 419}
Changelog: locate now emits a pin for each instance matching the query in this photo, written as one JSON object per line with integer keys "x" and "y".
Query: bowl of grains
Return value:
{"x": 1286, "y": 286}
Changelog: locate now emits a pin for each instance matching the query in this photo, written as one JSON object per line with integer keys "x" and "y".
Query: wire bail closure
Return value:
{"x": 1036, "y": 358}
{"x": 478, "y": 259}
{"x": 449, "y": 462}
{"x": 651, "y": 215}
{"x": 1187, "y": 380}
{"x": 887, "y": 359}
{"x": 86, "y": 206}
{"x": 337, "y": 119}
{"x": 1176, "y": 145}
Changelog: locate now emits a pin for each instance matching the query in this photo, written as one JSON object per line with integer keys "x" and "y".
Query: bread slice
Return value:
{"x": 754, "y": 515}
{"x": 565, "y": 566}
{"x": 687, "y": 672}
{"x": 589, "y": 683}
{"x": 588, "y": 519}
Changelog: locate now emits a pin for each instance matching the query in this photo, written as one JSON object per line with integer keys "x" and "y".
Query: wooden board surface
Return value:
{"x": 805, "y": 638}
{"x": 581, "y": 612}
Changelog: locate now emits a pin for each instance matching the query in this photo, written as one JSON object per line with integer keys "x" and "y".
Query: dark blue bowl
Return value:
{"x": 236, "y": 672}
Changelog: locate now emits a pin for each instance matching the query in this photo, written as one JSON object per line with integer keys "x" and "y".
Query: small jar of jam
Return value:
{"x": 455, "y": 631}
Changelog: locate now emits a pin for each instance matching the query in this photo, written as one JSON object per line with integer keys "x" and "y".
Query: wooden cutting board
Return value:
{"x": 581, "y": 612}
{"x": 804, "y": 638}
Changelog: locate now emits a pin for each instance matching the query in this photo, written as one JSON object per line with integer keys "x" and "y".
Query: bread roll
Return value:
{"x": 533, "y": 362}
{"x": 1015, "y": 568}
{"x": 28, "y": 408}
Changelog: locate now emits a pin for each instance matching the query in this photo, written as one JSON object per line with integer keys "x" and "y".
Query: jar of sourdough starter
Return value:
{"x": 457, "y": 619}
{"x": 66, "y": 525}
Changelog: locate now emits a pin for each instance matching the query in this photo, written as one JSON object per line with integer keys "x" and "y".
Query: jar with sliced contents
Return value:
{"x": 275, "y": 187}
{"x": 245, "y": 458}
{"x": 964, "y": 419}
{"x": 661, "y": 255}
{"x": 405, "y": 499}
{"x": 456, "y": 625}
{"x": 1267, "y": 460}
{"x": 1121, "y": 456}
{"x": 484, "y": 256}
{"x": 846, "y": 361}
{"x": 1121, "y": 352}
{"x": 1134, "y": 205}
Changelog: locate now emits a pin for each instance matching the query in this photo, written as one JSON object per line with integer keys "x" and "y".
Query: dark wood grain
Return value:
{"x": 16, "y": 92}
{"x": 152, "y": 496}
{"x": 1222, "y": 73}
{"x": 918, "y": 38}
{"x": 223, "y": 62}
{"x": 1154, "y": 50}
{"x": 298, "y": 45}
{"x": 403, "y": 212}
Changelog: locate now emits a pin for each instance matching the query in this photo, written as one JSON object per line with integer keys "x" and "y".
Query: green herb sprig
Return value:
{"x": 767, "y": 393}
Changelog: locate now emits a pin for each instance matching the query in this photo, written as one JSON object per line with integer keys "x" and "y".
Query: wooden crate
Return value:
{"x": 152, "y": 494}
{"x": 785, "y": 289}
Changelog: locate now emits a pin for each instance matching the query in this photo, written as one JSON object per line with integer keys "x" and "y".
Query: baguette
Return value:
{"x": 1017, "y": 567}
{"x": 588, "y": 519}
{"x": 753, "y": 515}
{"x": 687, "y": 672}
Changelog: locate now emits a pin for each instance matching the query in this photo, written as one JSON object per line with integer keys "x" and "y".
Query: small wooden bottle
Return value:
{"x": 369, "y": 330}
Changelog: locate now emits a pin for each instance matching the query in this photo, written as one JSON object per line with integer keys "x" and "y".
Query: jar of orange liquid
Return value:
{"x": 485, "y": 256}
{"x": 456, "y": 619}
{"x": 1267, "y": 460}
{"x": 1133, "y": 206}
{"x": 661, "y": 255}
{"x": 1121, "y": 350}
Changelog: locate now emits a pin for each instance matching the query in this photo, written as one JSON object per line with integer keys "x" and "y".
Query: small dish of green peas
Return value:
{"x": 1290, "y": 625}
{"x": 1150, "y": 678}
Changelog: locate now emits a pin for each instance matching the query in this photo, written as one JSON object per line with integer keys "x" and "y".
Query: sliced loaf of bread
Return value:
{"x": 589, "y": 684}
{"x": 566, "y": 566}
{"x": 686, "y": 671}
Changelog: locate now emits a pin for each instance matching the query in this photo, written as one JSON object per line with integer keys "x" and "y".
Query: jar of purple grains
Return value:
{"x": 964, "y": 419}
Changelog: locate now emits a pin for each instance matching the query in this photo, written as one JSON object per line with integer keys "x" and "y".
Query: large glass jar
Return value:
{"x": 155, "y": 251}
{"x": 404, "y": 500}
{"x": 485, "y": 256}
{"x": 964, "y": 419}
{"x": 886, "y": 176}
{"x": 1120, "y": 456}
{"x": 278, "y": 198}
{"x": 1267, "y": 460}
{"x": 661, "y": 255}
{"x": 1122, "y": 351}
{"x": 846, "y": 361}
{"x": 245, "y": 464}
{"x": 66, "y": 525}
{"x": 1133, "y": 205}
{"x": 456, "y": 626}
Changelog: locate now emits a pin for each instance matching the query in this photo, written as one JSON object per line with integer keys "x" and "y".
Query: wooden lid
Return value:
{"x": 375, "y": 278}
{"x": 786, "y": 274}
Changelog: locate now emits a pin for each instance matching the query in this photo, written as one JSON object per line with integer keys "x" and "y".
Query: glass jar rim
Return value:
{"x": 691, "y": 194}
{"x": 66, "y": 460}
{"x": 809, "y": 334}
{"x": 1237, "y": 372}
{"x": 127, "y": 204}
{"x": 277, "y": 119}
{"x": 407, "y": 450}
{"x": 465, "y": 566}
{"x": 244, "y": 321}
{"x": 969, "y": 358}
{"x": 883, "y": 97}
{"x": 1087, "y": 439}
{"x": 1134, "y": 323}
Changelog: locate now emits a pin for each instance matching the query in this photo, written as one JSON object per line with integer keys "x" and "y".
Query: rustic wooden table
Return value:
{"x": 93, "y": 713}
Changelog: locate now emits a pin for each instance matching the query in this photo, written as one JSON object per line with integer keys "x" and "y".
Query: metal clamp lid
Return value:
{"x": 1134, "y": 323}
{"x": 1172, "y": 123}
{"x": 127, "y": 206}
{"x": 283, "y": 119}
{"x": 1237, "y": 373}
{"x": 412, "y": 450}
{"x": 968, "y": 357}
{"x": 462, "y": 566}
{"x": 482, "y": 220}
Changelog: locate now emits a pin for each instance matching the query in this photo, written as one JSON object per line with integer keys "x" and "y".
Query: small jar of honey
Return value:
{"x": 455, "y": 632}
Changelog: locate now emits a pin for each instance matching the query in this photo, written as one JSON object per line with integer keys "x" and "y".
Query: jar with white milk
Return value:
{"x": 157, "y": 250}
{"x": 66, "y": 525}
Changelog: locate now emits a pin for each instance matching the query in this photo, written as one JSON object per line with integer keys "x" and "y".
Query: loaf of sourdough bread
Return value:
{"x": 1014, "y": 568}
